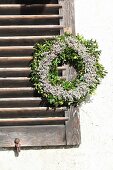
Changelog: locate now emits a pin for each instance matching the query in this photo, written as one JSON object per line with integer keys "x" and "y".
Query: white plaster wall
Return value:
{"x": 94, "y": 19}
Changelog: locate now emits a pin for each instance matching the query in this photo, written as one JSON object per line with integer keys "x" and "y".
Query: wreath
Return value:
{"x": 74, "y": 51}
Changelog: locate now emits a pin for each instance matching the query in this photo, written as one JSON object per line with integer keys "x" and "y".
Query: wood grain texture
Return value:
{"x": 15, "y": 82}
{"x": 28, "y": 27}
{"x": 23, "y": 40}
{"x": 68, "y": 14}
{"x": 31, "y": 112}
{"x": 73, "y": 136}
{"x": 25, "y": 17}
{"x": 28, "y": 2}
{"x": 38, "y": 110}
{"x": 21, "y": 102}
{"x": 6, "y": 6}
{"x": 33, "y": 135}
{"x": 32, "y": 121}
{"x": 73, "y": 125}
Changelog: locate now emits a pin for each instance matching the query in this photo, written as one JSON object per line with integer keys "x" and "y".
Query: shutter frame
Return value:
{"x": 49, "y": 135}
{"x": 73, "y": 135}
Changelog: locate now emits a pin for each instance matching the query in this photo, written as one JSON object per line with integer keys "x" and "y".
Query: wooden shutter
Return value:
{"x": 23, "y": 114}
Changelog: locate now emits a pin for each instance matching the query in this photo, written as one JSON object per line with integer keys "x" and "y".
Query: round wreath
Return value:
{"x": 75, "y": 51}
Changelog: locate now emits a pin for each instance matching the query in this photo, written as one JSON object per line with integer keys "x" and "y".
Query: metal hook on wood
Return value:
{"x": 17, "y": 146}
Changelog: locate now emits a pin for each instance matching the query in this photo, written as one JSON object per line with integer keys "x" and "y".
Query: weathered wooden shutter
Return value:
{"x": 23, "y": 115}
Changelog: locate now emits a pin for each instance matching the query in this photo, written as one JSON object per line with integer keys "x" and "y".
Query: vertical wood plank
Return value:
{"x": 38, "y": 135}
{"x": 73, "y": 136}
{"x": 61, "y": 13}
{"x": 68, "y": 14}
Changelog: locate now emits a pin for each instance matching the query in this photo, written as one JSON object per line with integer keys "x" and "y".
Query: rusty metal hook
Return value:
{"x": 17, "y": 146}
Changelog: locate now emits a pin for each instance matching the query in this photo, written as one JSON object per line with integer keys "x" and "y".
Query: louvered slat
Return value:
{"x": 19, "y": 71}
{"x": 29, "y": 2}
{"x": 23, "y": 40}
{"x": 15, "y": 82}
{"x": 29, "y": 9}
{"x": 17, "y": 92}
{"x": 20, "y": 29}
{"x": 29, "y": 19}
{"x": 15, "y": 61}
{"x": 23, "y": 23}
{"x": 34, "y": 30}
{"x": 32, "y": 121}
{"x": 16, "y": 6}
{"x": 25, "y": 111}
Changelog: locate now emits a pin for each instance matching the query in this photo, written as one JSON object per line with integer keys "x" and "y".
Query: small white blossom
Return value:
{"x": 89, "y": 76}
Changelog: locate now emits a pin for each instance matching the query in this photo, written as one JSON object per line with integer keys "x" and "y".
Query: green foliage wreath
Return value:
{"x": 82, "y": 55}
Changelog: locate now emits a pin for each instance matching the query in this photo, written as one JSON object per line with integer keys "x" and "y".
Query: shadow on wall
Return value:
{"x": 36, "y": 148}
